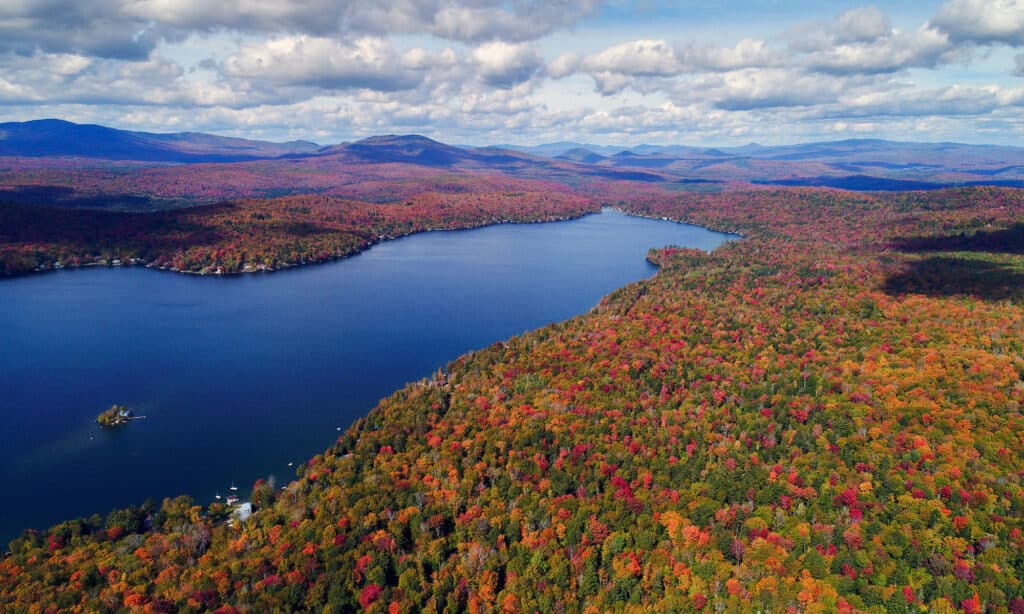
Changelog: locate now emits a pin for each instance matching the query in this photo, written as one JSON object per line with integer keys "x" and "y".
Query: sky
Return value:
{"x": 476, "y": 72}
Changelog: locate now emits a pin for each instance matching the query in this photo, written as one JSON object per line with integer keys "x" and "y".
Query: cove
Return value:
{"x": 239, "y": 376}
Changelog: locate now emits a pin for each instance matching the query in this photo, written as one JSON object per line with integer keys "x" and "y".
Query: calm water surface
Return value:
{"x": 239, "y": 376}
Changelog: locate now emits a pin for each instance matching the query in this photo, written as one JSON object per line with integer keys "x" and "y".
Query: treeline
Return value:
{"x": 141, "y": 187}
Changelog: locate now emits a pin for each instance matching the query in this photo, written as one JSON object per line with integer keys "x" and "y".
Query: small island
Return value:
{"x": 115, "y": 416}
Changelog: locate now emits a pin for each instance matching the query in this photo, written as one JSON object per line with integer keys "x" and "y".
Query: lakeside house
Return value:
{"x": 242, "y": 512}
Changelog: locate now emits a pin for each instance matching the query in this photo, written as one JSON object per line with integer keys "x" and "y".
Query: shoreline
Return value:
{"x": 262, "y": 268}
{"x": 596, "y": 305}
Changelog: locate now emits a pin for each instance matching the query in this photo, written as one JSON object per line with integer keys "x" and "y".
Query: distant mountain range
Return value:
{"x": 561, "y": 148}
{"x": 857, "y": 164}
{"x": 861, "y": 164}
{"x": 54, "y": 137}
{"x": 892, "y": 152}
{"x": 422, "y": 151}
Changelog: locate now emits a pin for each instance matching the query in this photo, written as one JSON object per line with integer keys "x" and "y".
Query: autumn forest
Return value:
{"x": 824, "y": 416}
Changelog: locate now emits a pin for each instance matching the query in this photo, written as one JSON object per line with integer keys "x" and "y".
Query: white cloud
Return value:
{"x": 97, "y": 28}
{"x": 132, "y": 29}
{"x": 749, "y": 89}
{"x": 647, "y": 64}
{"x": 325, "y": 63}
{"x": 520, "y": 20}
{"x": 564, "y": 65}
{"x": 892, "y": 52}
{"x": 310, "y": 16}
{"x": 639, "y": 58}
{"x": 748, "y": 53}
{"x": 478, "y": 70}
{"x": 982, "y": 21}
{"x": 863, "y": 41}
{"x": 861, "y": 25}
{"x": 60, "y": 78}
{"x": 16, "y": 92}
{"x": 462, "y": 20}
{"x": 503, "y": 64}
{"x": 68, "y": 65}
{"x": 921, "y": 102}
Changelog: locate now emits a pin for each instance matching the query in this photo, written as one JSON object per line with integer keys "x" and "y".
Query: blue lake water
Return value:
{"x": 239, "y": 376}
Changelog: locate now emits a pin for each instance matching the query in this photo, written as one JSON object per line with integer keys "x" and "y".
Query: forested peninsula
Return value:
{"x": 267, "y": 234}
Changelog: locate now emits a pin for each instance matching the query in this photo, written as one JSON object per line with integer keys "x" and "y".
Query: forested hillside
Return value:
{"x": 825, "y": 416}
{"x": 267, "y": 234}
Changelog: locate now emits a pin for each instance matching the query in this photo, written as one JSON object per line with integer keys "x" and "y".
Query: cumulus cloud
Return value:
{"x": 504, "y": 65}
{"x": 97, "y": 28}
{"x": 666, "y": 117}
{"x": 640, "y": 58}
{"x": 16, "y": 92}
{"x": 889, "y": 53}
{"x": 982, "y": 21}
{"x": 636, "y": 63}
{"x": 326, "y": 63}
{"x": 397, "y": 83}
{"x": 859, "y": 25}
{"x": 44, "y": 78}
{"x": 951, "y": 101}
{"x": 462, "y": 20}
{"x": 749, "y": 89}
{"x": 132, "y": 29}
{"x": 748, "y": 53}
{"x": 473, "y": 69}
{"x": 564, "y": 65}
{"x": 308, "y": 16}
{"x": 863, "y": 41}
{"x": 374, "y": 64}
{"x": 515, "y": 20}
{"x": 506, "y": 102}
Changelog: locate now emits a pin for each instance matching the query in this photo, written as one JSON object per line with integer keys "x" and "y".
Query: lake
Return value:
{"x": 239, "y": 376}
